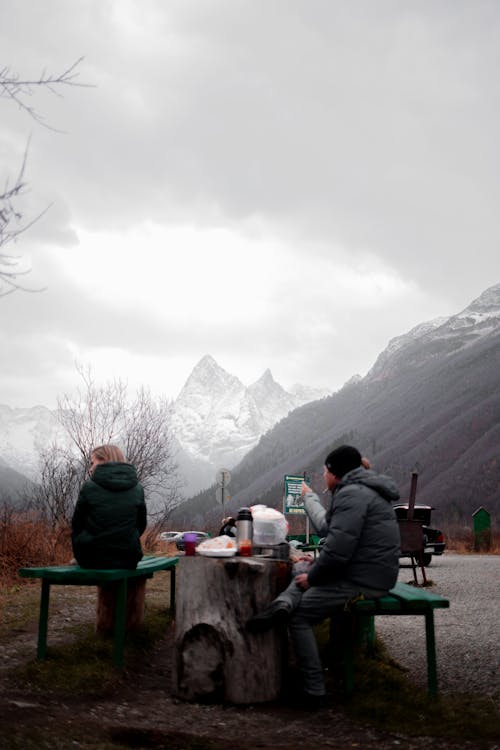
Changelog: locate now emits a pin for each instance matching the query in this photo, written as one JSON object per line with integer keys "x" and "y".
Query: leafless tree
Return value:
{"x": 94, "y": 415}
{"x": 61, "y": 475}
{"x": 101, "y": 414}
{"x": 12, "y": 223}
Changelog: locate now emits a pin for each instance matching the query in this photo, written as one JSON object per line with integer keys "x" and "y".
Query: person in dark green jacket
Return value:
{"x": 110, "y": 514}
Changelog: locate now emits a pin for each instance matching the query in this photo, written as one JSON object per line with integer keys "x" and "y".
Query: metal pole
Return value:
{"x": 307, "y": 517}
{"x": 42, "y": 620}
{"x": 413, "y": 494}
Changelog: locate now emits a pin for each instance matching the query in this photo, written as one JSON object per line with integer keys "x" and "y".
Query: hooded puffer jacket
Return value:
{"x": 361, "y": 530}
{"x": 109, "y": 518}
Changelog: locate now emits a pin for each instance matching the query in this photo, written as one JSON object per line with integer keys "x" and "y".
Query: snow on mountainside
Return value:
{"x": 24, "y": 433}
{"x": 272, "y": 400}
{"x": 217, "y": 419}
{"x": 304, "y": 394}
{"x": 440, "y": 336}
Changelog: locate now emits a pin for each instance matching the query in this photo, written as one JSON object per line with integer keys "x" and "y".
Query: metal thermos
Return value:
{"x": 244, "y": 531}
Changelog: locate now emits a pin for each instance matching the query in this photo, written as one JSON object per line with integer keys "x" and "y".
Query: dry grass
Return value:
{"x": 460, "y": 540}
{"x": 27, "y": 541}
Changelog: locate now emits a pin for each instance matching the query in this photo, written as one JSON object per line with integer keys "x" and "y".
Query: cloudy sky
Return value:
{"x": 278, "y": 183}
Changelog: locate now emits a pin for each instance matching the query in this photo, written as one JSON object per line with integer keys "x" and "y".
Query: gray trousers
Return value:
{"x": 309, "y": 608}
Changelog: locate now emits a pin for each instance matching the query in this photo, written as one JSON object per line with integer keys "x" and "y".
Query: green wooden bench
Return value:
{"x": 311, "y": 539}
{"x": 403, "y": 599}
{"x": 312, "y": 545}
{"x": 73, "y": 575}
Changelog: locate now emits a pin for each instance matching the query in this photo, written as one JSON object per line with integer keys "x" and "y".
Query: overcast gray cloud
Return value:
{"x": 356, "y": 144}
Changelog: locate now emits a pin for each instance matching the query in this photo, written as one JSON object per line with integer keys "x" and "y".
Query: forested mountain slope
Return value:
{"x": 432, "y": 404}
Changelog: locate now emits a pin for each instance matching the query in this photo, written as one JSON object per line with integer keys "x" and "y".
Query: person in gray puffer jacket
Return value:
{"x": 360, "y": 556}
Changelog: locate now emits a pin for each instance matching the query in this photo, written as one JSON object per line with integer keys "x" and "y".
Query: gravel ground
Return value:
{"x": 143, "y": 713}
{"x": 467, "y": 634}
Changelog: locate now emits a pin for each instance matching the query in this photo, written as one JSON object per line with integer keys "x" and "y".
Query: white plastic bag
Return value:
{"x": 269, "y": 526}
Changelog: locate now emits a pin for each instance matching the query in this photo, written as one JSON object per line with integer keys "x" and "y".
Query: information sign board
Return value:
{"x": 292, "y": 499}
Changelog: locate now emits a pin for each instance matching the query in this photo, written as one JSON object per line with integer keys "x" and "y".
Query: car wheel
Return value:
{"x": 427, "y": 558}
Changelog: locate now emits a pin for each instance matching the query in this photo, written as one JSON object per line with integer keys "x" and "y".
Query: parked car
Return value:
{"x": 434, "y": 542}
{"x": 169, "y": 536}
{"x": 179, "y": 539}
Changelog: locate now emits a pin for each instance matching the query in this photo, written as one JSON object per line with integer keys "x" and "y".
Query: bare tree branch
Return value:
{"x": 9, "y": 215}
{"x": 56, "y": 493}
{"x": 18, "y": 90}
{"x": 98, "y": 415}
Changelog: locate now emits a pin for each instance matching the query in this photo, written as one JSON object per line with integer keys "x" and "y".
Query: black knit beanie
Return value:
{"x": 343, "y": 459}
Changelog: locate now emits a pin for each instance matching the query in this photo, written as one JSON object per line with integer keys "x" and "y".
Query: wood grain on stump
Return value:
{"x": 216, "y": 658}
{"x": 106, "y": 604}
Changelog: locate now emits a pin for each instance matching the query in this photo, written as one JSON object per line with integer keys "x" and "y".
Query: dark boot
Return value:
{"x": 277, "y": 613}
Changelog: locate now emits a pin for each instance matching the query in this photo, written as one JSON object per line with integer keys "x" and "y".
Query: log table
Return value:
{"x": 216, "y": 658}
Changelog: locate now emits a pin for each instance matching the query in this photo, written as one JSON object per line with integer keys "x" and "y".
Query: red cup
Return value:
{"x": 189, "y": 544}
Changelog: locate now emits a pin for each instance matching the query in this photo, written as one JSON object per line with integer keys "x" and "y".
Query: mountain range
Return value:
{"x": 216, "y": 420}
{"x": 431, "y": 403}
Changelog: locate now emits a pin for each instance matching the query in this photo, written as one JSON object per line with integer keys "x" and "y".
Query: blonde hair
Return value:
{"x": 105, "y": 453}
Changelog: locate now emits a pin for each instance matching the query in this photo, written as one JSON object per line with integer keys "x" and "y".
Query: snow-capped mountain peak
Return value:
{"x": 482, "y": 315}
{"x": 24, "y": 434}
{"x": 265, "y": 379}
{"x": 217, "y": 419}
{"x": 271, "y": 399}
{"x": 440, "y": 336}
{"x": 487, "y": 304}
{"x": 208, "y": 377}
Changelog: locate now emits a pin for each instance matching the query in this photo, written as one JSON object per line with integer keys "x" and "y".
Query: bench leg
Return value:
{"x": 41, "y": 648}
{"x": 430, "y": 643}
{"x": 362, "y": 636}
{"x": 349, "y": 669}
{"x": 172, "y": 591}
{"x": 120, "y": 617}
{"x": 368, "y": 632}
{"x": 349, "y": 633}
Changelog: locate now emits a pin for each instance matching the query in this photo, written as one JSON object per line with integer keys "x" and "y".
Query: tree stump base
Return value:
{"x": 216, "y": 659}
{"x": 106, "y": 605}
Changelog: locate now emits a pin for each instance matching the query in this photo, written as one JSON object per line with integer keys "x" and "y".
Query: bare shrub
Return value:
{"x": 27, "y": 540}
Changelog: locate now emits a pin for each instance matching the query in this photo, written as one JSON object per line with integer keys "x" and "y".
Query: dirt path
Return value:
{"x": 141, "y": 711}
